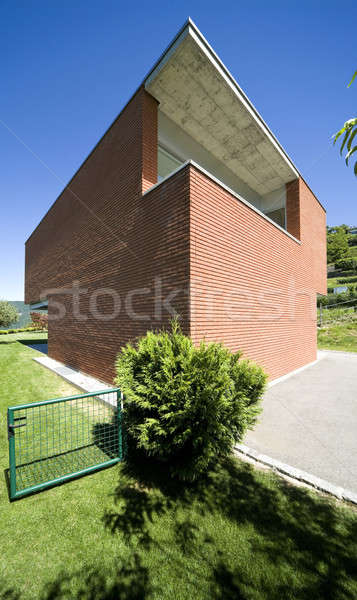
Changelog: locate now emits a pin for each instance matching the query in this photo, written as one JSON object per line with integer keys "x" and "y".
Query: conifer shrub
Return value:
{"x": 186, "y": 405}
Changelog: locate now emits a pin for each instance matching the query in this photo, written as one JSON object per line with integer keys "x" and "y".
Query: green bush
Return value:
{"x": 345, "y": 264}
{"x": 347, "y": 280}
{"x": 337, "y": 298}
{"x": 8, "y": 313}
{"x": 337, "y": 244}
{"x": 186, "y": 406}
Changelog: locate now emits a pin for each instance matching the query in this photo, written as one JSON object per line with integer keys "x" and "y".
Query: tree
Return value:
{"x": 8, "y": 314}
{"x": 337, "y": 244}
{"x": 336, "y": 228}
{"x": 349, "y": 132}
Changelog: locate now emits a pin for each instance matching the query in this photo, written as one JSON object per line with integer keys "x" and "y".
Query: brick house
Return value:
{"x": 187, "y": 204}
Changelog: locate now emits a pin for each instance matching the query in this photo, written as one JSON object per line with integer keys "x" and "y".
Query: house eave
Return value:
{"x": 191, "y": 32}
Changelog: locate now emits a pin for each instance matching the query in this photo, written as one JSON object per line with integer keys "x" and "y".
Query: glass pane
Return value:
{"x": 166, "y": 163}
{"x": 278, "y": 216}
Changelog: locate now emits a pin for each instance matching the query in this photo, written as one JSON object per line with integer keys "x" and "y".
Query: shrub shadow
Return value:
{"x": 130, "y": 581}
{"x": 296, "y": 528}
{"x": 7, "y": 483}
{"x": 105, "y": 437}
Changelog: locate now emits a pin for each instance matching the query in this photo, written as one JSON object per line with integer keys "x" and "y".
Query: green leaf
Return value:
{"x": 350, "y": 123}
{"x": 344, "y": 141}
{"x": 349, "y": 143}
{"x": 349, "y": 154}
{"x": 353, "y": 78}
{"x": 337, "y": 135}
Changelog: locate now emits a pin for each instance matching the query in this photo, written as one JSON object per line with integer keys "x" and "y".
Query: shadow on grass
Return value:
{"x": 334, "y": 274}
{"x": 7, "y": 482}
{"x": 130, "y": 581}
{"x": 298, "y": 546}
{"x": 105, "y": 437}
{"x": 26, "y": 341}
{"x": 294, "y": 530}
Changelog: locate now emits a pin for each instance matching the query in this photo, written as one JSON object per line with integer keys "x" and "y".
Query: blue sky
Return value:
{"x": 68, "y": 67}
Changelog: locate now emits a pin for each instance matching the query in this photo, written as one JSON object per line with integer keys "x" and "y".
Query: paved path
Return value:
{"x": 309, "y": 421}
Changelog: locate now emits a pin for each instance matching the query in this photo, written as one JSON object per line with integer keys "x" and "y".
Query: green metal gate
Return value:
{"x": 56, "y": 440}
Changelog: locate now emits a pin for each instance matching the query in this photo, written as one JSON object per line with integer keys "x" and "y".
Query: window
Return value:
{"x": 278, "y": 216}
{"x": 167, "y": 163}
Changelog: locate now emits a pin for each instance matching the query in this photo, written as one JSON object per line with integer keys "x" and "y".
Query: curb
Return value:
{"x": 296, "y": 371}
{"x": 298, "y": 474}
{"x": 86, "y": 383}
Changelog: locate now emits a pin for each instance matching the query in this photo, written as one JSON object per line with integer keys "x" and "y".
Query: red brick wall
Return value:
{"x": 102, "y": 233}
{"x": 252, "y": 286}
{"x": 231, "y": 274}
{"x": 313, "y": 237}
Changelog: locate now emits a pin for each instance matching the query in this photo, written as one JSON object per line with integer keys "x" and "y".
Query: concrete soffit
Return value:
{"x": 199, "y": 94}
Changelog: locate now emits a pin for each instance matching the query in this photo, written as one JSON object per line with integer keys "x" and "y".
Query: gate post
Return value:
{"x": 12, "y": 459}
{"x": 120, "y": 438}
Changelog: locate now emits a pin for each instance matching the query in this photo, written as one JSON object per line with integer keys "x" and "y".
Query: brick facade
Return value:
{"x": 231, "y": 274}
{"x": 252, "y": 286}
{"x": 104, "y": 235}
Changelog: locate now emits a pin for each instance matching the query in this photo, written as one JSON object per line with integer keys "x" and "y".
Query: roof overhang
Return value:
{"x": 199, "y": 94}
{"x": 39, "y": 305}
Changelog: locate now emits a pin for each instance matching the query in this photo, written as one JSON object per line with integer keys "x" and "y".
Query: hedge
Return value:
{"x": 7, "y": 331}
{"x": 345, "y": 264}
{"x": 336, "y": 299}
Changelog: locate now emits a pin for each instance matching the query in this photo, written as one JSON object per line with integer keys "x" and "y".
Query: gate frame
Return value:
{"x": 11, "y": 426}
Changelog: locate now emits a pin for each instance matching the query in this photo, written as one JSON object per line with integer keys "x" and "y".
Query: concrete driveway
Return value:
{"x": 309, "y": 420}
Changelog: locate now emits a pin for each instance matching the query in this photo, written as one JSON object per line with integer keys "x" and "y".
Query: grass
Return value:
{"x": 338, "y": 314}
{"x": 342, "y": 278}
{"x": 28, "y": 336}
{"x": 339, "y": 330}
{"x": 130, "y": 533}
{"x": 334, "y": 277}
{"x": 339, "y": 334}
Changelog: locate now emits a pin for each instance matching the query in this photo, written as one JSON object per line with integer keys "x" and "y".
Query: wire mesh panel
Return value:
{"x": 58, "y": 439}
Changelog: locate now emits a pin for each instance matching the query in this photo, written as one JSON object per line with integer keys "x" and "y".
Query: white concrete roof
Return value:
{"x": 199, "y": 94}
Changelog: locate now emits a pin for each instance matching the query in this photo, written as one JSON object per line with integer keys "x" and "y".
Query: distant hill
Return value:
{"x": 24, "y": 310}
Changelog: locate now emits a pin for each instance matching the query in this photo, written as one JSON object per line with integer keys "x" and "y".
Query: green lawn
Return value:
{"x": 343, "y": 279}
{"x": 129, "y": 533}
{"x": 35, "y": 336}
{"x": 339, "y": 335}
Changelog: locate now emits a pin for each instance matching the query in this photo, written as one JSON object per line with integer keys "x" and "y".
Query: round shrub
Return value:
{"x": 186, "y": 405}
{"x": 8, "y": 313}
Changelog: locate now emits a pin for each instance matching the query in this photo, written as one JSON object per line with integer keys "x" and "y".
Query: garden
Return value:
{"x": 180, "y": 517}
{"x": 337, "y": 313}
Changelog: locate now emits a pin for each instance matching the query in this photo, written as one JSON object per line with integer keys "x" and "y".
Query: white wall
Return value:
{"x": 273, "y": 200}
{"x": 173, "y": 139}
